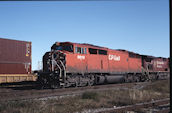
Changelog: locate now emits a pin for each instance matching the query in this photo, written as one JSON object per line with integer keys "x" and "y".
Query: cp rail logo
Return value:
{"x": 159, "y": 64}
{"x": 114, "y": 57}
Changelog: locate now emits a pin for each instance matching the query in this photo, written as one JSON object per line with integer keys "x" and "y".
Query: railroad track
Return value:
{"x": 159, "y": 106}
{"x": 30, "y": 92}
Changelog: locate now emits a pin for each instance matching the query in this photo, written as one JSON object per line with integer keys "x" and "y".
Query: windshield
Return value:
{"x": 59, "y": 48}
{"x": 65, "y": 47}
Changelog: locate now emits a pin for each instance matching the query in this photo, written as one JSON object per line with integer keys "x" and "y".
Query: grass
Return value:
{"x": 159, "y": 86}
{"x": 90, "y": 95}
{"x": 89, "y": 100}
{"x": 19, "y": 107}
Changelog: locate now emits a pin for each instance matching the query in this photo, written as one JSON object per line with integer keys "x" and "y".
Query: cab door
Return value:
{"x": 103, "y": 61}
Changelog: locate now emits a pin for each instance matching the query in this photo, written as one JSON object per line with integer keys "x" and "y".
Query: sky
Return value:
{"x": 141, "y": 26}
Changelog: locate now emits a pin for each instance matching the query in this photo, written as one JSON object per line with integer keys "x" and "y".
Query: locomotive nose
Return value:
{"x": 54, "y": 68}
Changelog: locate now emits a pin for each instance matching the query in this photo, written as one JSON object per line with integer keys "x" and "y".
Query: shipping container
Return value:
{"x": 15, "y": 57}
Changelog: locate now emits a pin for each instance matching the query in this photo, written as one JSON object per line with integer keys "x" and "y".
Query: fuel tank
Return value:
{"x": 110, "y": 79}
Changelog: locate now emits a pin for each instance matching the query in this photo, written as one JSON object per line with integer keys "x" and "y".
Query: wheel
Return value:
{"x": 76, "y": 84}
{"x": 90, "y": 83}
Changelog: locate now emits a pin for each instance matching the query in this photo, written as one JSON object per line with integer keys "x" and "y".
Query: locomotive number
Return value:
{"x": 114, "y": 57}
{"x": 80, "y": 57}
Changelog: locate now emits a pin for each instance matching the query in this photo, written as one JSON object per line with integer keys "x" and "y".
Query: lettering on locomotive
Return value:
{"x": 159, "y": 64}
{"x": 114, "y": 57}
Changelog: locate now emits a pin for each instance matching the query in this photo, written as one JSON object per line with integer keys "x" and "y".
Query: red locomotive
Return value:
{"x": 74, "y": 64}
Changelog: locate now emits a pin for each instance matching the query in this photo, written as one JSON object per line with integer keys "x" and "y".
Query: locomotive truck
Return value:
{"x": 75, "y": 64}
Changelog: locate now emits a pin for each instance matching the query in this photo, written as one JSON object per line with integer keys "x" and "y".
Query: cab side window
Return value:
{"x": 80, "y": 50}
{"x": 77, "y": 49}
{"x": 85, "y": 51}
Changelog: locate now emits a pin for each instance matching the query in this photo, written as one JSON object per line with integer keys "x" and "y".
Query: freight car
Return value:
{"x": 15, "y": 61}
{"x": 74, "y": 64}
